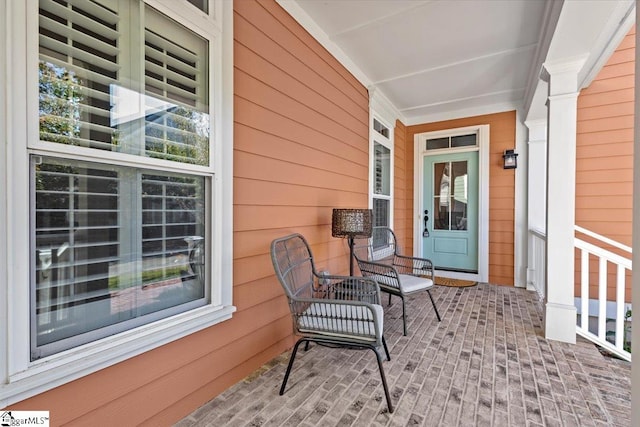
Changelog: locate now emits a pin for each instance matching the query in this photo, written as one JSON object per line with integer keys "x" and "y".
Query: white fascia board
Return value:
{"x": 547, "y": 30}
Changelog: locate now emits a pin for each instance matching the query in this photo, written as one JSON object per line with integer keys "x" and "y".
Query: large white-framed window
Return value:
{"x": 381, "y": 172}
{"x": 122, "y": 158}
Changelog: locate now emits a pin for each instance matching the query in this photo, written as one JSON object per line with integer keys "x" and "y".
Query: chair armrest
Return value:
{"x": 348, "y": 288}
{"x": 413, "y": 265}
{"x": 384, "y": 274}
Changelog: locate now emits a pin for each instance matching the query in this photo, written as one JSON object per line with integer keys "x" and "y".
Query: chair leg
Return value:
{"x": 404, "y": 316}
{"x": 306, "y": 346}
{"x": 434, "y": 305}
{"x": 384, "y": 380}
{"x": 293, "y": 356}
{"x": 386, "y": 349}
{"x": 389, "y": 299}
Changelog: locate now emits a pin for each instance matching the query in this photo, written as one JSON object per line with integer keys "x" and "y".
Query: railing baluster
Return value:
{"x": 602, "y": 298}
{"x": 584, "y": 289}
{"x": 620, "y": 282}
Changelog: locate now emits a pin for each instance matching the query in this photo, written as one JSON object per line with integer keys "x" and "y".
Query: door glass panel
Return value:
{"x": 437, "y": 143}
{"x": 450, "y": 196}
{"x": 459, "y": 196}
{"x": 441, "y": 195}
{"x": 463, "y": 140}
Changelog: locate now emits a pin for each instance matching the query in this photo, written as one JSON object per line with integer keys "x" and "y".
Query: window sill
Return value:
{"x": 53, "y": 371}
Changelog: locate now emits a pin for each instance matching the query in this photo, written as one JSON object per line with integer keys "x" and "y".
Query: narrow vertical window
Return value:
{"x": 382, "y": 174}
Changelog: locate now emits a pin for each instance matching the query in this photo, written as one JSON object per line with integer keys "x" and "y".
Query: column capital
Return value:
{"x": 537, "y": 130}
{"x": 562, "y": 76}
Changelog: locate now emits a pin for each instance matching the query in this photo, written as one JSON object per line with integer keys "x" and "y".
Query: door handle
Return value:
{"x": 425, "y": 232}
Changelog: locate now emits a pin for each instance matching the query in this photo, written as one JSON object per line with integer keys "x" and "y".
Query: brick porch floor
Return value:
{"x": 485, "y": 364}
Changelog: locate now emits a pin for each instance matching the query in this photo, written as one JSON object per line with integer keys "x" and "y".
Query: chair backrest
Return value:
{"x": 381, "y": 246}
{"x": 293, "y": 264}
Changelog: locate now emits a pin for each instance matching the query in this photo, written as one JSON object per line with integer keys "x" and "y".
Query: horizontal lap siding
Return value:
{"x": 604, "y": 158}
{"x": 402, "y": 223}
{"x": 300, "y": 149}
{"x": 501, "y": 187}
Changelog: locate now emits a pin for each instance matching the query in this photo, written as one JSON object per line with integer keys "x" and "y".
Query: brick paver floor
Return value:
{"x": 485, "y": 364}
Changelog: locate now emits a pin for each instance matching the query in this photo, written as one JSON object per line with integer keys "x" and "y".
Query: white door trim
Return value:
{"x": 419, "y": 143}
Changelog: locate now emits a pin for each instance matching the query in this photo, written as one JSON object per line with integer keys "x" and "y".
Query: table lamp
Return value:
{"x": 351, "y": 223}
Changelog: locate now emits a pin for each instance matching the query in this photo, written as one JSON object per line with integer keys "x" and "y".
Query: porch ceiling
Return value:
{"x": 443, "y": 59}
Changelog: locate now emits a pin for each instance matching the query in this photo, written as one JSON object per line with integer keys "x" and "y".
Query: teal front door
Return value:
{"x": 450, "y": 208}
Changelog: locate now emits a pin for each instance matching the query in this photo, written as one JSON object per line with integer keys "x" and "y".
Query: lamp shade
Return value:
{"x": 351, "y": 223}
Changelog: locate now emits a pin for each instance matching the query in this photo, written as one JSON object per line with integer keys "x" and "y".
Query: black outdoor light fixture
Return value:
{"x": 510, "y": 159}
{"x": 351, "y": 223}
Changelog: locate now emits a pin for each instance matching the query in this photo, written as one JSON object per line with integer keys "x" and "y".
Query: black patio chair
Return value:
{"x": 332, "y": 311}
{"x": 379, "y": 258}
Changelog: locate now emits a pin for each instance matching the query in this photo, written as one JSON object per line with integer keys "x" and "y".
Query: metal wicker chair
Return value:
{"x": 379, "y": 258}
{"x": 333, "y": 311}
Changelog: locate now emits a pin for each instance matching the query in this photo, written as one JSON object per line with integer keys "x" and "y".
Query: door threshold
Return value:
{"x": 451, "y": 274}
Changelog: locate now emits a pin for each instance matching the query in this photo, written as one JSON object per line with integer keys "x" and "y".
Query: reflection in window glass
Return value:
{"x": 92, "y": 95}
{"x": 99, "y": 264}
{"x": 442, "y": 199}
{"x": 380, "y": 219}
{"x": 382, "y": 170}
{"x": 203, "y": 5}
{"x": 450, "y": 196}
{"x": 452, "y": 142}
{"x": 380, "y": 128}
{"x": 380, "y": 212}
{"x": 463, "y": 140}
{"x": 459, "y": 190}
{"x": 437, "y": 143}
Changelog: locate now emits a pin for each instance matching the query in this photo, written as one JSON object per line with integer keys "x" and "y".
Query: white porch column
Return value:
{"x": 536, "y": 194}
{"x": 560, "y": 312}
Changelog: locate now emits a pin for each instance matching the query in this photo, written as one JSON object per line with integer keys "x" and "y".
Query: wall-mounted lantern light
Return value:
{"x": 510, "y": 159}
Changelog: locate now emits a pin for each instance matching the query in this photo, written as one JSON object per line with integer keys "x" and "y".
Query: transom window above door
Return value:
{"x": 458, "y": 141}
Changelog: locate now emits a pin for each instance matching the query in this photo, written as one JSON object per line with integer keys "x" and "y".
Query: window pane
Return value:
{"x": 381, "y": 212}
{"x": 459, "y": 196}
{"x": 112, "y": 245}
{"x": 380, "y": 128}
{"x": 94, "y": 94}
{"x": 463, "y": 140}
{"x": 450, "y": 200}
{"x": 437, "y": 143}
{"x": 382, "y": 171}
{"x": 442, "y": 195}
{"x": 203, "y": 5}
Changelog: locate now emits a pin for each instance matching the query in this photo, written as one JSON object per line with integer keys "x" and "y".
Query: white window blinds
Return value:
{"x": 118, "y": 240}
{"x": 107, "y": 84}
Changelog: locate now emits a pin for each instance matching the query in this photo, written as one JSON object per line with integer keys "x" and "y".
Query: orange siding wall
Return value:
{"x": 501, "y": 187}
{"x": 402, "y": 224}
{"x": 604, "y": 168}
{"x": 301, "y": 148}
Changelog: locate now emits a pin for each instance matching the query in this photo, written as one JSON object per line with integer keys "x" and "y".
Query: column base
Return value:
{"x": 560, "y": 322}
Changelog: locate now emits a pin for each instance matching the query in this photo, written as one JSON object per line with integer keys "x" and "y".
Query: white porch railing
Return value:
{"x": 597, "y": 331}
{"x": 537, "y": 271}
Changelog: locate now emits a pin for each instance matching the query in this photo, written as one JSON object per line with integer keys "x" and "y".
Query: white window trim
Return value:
{"x": 20, "y": 378}
{"x": 374, "y": 137}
